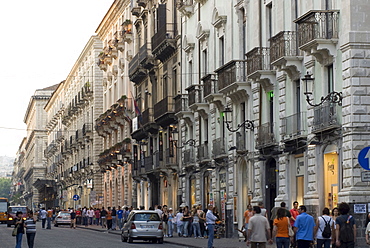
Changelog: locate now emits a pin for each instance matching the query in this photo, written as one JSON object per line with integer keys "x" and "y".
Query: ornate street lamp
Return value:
{"x": 247, "y": 124}
{"x": 175, "y": 138}
{"x": 332, "y": 97}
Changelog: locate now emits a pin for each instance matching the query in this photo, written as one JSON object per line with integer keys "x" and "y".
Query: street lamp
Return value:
{"x": 175, "y": 138}
{"x": 247, "y": 124}
{"x": 332, "y": 97}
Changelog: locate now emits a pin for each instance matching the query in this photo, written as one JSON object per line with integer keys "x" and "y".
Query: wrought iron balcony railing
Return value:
{"x": 147, "y": 116}
{"x": 189, "y": 156}
{"x": 148, "y": 161}
{"x": 266, "y": 135}
{"x": 294, "y": 125}
{"x": 194, "y": 94}
{"x": 325, "y": 117}
{"x": 283, "y": 44}
{"x": 258, "y": 59}
{"x": 234, "y": 71}
{"x": 209, "y": 85}
{"x": 164, "y": 106}
{"x": 218, "y": 147}
{"x": 163, "y": 42}
{"x": 318, "y": 24}
{"x": 203, "y": 152}
{"x": 181, "y": 103}
{"x": 87, "y": 128}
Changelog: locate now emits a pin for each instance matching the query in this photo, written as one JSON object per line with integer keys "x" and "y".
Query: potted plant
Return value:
{"x": 127, "y": 26}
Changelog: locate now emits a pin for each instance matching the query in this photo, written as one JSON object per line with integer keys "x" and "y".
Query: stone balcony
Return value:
{"x": 259, "y": 67}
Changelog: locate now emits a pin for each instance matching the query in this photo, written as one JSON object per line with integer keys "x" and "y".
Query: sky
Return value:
{"x": 41, "y": 40}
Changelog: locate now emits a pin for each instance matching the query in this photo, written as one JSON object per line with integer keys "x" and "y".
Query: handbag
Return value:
{"x": 15, "y": 230}
{"x": 291, "y": 232}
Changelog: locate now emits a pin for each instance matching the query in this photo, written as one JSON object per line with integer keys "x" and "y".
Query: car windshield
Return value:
{"x": 65, "y": 214}
{"x": 17, "y": 209}
{"x": 146, "y": 217}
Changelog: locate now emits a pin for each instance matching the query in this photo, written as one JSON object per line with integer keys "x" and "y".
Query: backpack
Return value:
{"x": 346, "y": 231}
{"x": 326, "y": 233}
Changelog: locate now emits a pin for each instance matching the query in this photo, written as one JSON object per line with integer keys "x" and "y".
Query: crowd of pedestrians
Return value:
{"x": 296, "y": 228}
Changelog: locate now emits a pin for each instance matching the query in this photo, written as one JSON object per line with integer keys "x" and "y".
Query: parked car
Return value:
{"x": 12, "y": 210}
{"x": 63, "y": 218}
{"x": 143, "y": 225}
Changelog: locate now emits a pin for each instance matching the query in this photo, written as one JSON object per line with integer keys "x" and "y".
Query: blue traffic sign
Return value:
{"x": 364, "y": 158}
{"x": 76, "y": 197}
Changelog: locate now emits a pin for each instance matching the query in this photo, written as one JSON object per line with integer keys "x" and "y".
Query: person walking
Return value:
{"x": 195, "y": 224}
{"x": 171, "y": 218}
{"x": 186, "y": 218}
{"x": 321, "y": 230}
{"x": 210, "y": 222}
{"x": 84, "y": 216}
{"x": 90, "y": 215}
{"x": 294, "y": 214}
{"x": 73, "y": 219}
{"x": 247, "y": 215}
{"x": 43, "y": 215}
{"x": 49, "y": 216}
{"x": 19, "y": 224}
{"x": 180, "y": 223}
{"x": 165, "y": 220}
{"x": 114, "y": 218}
{"x": 109, "y": 219}
{"x": 97, "y": 216}
{"x": 120, "y": 217}
{"x": 202, "y": 219}
{"x": 280, "y": 230}
{"x": 103, "y": 216}
{"x": 258, "y": 230}
{"x": 345, "y": 228}
{"x": 304, "y": 228}
{"x": 30, "y": 225}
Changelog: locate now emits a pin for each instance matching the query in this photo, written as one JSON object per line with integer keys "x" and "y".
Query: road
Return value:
{"x": 64, "y": 237}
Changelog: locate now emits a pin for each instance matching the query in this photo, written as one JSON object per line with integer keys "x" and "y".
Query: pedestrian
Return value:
{"x": 114, "y": 218}
{"x": 195, "y": 224}
{"x": 263, "y": 210}
{"x": 109, "y": 219}
{"x": 73, "y": 219}
{"x": 367, "y": 231}
{"x": 78, "y": 216}
{"x": 304, "y": 228}
{"x": 19, "y": 224}
{"x": 103, "y": 216}
{"x": 258, "y": 229}
{"x": 43, "y": 215}
{"x": 320, "y": 229}
{"x": 280, "y": 230}
{"x": 84, "y": 216}
{"x": 345, "y": 227}
{"x": 90, "y": 215}
{"x": 165, "y": 220}
{"x": 210, "y": 222}
{"x": 294, "y": 214}
{"x": 186, "y": 218}
{"x": 171, "y": 218}
{"x": 180, "y": 223}
{"x": 202, "y": 220}
{"x": 127, "y": 212}
{"x": 30, "y": 225}
{"x": 247, "y": 215}
{"x": 120, "y": 217}
{"x": 49, "y": 216}
{"x": 97, "y": 216}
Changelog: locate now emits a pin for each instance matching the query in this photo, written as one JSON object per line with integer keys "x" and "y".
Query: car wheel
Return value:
{"x": 160, "y": 241}
{"x": 130, "y": 240}
{"x": 56, "y": 225}
{"x": 123, "y": 238}
{"x": 154, "y": 241}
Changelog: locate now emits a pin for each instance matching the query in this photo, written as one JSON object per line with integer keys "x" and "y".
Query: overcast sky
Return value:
{"x": 40, "y": 41}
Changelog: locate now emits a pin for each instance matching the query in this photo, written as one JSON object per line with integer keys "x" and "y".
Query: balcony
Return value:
{"x": 164, "y": 42}
{"x": 285, "y": 54}
{"x": 218, "y": 148}
{"x": 171, "y": 156}
{"x": 148, "y": 163}
{"x": 79, "y": 136}
{"x": 259, "y": 67}
{"x": 142, "y": 3}
{"x": 182, "y": 110}
{"x": 294, "y": 126}
{"x": 210, "y": 90}
{"x": 148, "y": 121}
{"x": 325, "y": 118}
{"x": 203, "y": 152}
{"x": 186, "y": 7}
{"x": 265, "y": 136}
{"x": 318, "y": 33}
{"x": 164, "y": 111}
{"x": 189, "y": 157}
{"x": 145, "y": 57}
{"x": 87, "y": 129}
{"x": 139, "y": 63}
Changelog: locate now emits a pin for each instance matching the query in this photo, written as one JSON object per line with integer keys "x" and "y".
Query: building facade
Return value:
{"x": 36, "y": 140}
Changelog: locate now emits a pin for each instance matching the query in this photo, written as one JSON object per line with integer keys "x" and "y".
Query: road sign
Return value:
{"x": 364, "y": 158}
{"x": 365, "y": 176}
{"x": 76, "y": 197}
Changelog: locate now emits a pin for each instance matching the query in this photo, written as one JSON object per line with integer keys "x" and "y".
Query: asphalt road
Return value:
{"x": 64, "y": 237}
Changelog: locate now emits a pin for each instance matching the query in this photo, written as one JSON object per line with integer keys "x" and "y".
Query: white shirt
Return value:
{"x": 329, "y": 220}
{"x": 210, "y": 217}
{"x": 90, "y": 213}
{"x": 43, "y": 214}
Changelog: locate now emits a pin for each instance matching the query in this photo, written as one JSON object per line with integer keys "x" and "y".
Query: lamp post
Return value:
{"x": 247, "y": 124}
{"x": 332, "y": 97}
{"x": 175, "y": 138}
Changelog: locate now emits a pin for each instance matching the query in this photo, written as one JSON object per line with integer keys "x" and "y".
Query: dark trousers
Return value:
{"x": 109, "y": 224}
{"x": 202, "y": 227}
{"x": 30, "y": 239}
{"x": 303, "y": 243}
{"x": 43, "y": 222}
{"x": 347, "y": 244}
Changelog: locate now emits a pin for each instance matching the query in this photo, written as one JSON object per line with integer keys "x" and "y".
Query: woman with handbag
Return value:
{"x": 281, "y": 229}
{"x": 18, "y": 229}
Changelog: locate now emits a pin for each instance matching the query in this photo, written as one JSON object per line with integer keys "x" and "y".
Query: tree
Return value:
{"x": 5, "y": 184}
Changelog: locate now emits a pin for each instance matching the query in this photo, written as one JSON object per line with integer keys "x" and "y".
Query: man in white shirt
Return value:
{"x": 210, "y": 221}
{"x": 43, "y": 214}
{"x": 90, "y": 214}
{"x": 258, "y": 230}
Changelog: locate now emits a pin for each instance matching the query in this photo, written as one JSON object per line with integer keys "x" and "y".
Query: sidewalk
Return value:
{"x": 186, "y": 242}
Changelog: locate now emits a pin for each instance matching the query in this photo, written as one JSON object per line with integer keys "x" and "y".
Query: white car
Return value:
{"x": 143, "y": 225}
